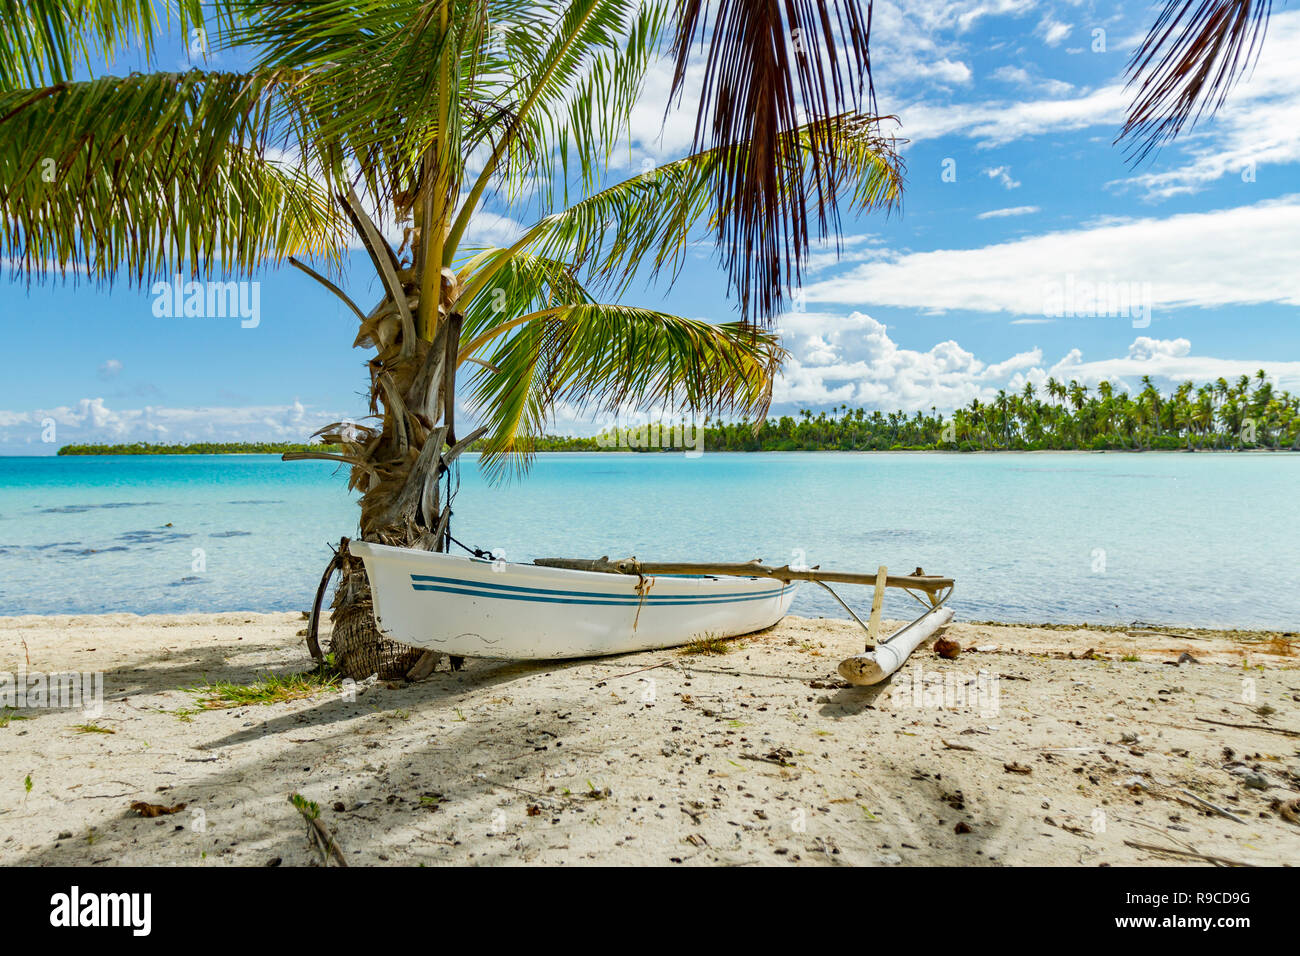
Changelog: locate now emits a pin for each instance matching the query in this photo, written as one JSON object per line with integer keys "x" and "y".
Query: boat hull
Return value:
{"x": 470, "y": 607}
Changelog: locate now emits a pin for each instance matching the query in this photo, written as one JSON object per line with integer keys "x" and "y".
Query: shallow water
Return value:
{"x": 1204, "y": 540}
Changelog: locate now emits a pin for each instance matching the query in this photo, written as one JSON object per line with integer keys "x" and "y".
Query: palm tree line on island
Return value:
{"x": 1248, "y": 413}
{"x": 1221, "y": 415}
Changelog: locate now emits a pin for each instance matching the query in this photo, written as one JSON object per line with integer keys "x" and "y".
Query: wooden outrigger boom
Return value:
{"x": 753, "y": 569}
{"x": 880, "y": 660}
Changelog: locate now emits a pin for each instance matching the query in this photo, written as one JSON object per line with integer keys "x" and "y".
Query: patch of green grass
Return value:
{"x": 707, "y": 644}
{"x": 267, "y": 689}
{"x": 309, "y": 808}
{"x": 10, "y": 713}
{"x": 1130, "y": 658}
{"x": 92, "y": 728}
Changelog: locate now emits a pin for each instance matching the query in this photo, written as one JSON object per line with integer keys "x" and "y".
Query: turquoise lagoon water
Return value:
{"x": 1210, "y": 540}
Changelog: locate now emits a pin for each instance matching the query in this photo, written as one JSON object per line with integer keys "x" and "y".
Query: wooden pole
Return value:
{"x": 930, "y": 583}
{"x": 873, "y": 622}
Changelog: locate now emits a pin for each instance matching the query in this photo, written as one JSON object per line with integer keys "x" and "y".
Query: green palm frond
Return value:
{"x": 153, "y": 174}
{"x": 646, "y": 221}
{"x": 42, "y": 42}
{"x": 582, "y": 106}
{"x": 370, "y": 88}
{"x": 526, "y": 284}
{"x": 597, "y": 357}
{"x": 576, "y": 70}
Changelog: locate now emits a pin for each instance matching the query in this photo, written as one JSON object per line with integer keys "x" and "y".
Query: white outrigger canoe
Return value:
{"x": 472, "y": 607}
{"x": 558, "y": 608}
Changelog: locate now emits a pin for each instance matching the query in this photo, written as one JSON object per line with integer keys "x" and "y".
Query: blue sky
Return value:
{"x": 984, "y": 280}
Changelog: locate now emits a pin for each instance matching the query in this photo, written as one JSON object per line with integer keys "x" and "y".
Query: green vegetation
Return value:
{"x": 1218, "y": 415}
{"x": 308, "y": 808}
{"x": 706, "y": 645}
{"x": 1248, "y": 413}
{"x": 92, "y": 728}
{"x": 267, "y": 689}
{"x": 196, "y": 448}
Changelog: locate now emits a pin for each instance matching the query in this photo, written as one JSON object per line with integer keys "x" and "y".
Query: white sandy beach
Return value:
{"x": 758, "y": 756}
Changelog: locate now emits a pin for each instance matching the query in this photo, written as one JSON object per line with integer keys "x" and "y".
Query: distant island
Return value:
{"x": 1219, "y": 416}
{"x": 1247, "y": 414}
{"x": 195, "y": 448}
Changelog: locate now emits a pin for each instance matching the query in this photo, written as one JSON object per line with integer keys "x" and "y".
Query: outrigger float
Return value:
{"x": 557, "y": 608}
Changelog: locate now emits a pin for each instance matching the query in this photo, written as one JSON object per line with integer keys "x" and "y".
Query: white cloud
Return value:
{"x": 487, "y": 228}
{"x": 1246, "y": 255}
{"x": 862, "y": 247}
{"x": 1257, "y": 127}
{"x": 997, "y": 122}
{"x": 1019, "y": 76}
{"x": 110, "y": 369}
{"x": 934, "y": 16}
{"x": 658, "y": 134}
{"x": 852, "y": 359}
{"x": 836, "y": 358}
{"x": 953, "y": 72}
{"x": 1002, "y": 174}
{"x": 92, "y": 420}
{"x": 919, "y": 44}
{"x": 1170, "y": 363}
{"x": 1012, "y": 74}
{"x": 1053, "y": 31}
{"x": 1009, "y": 211}
{"x": 1145, "y": 348}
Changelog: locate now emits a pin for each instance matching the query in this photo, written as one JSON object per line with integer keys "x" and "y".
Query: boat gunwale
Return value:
{"x": 557, "y": 574}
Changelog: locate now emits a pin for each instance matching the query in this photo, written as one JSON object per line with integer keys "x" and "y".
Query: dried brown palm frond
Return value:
{"x": 1193, "y": 55}
{"x": 772, "y": 66}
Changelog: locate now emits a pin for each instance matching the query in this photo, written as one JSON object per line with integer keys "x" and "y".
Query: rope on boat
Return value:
{"x": 643, "y": 587}
{"x": 477, "y": 552}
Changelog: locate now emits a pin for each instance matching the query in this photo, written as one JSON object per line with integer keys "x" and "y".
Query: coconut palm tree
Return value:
{"x": 413, "y": 113}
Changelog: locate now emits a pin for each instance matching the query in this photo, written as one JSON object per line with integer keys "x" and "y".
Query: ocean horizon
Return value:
{"x": 1030, "y": 537}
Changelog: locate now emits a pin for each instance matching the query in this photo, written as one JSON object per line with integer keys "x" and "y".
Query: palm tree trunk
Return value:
{"x": 398, "y": 471}
{"x": 397, "y": 467}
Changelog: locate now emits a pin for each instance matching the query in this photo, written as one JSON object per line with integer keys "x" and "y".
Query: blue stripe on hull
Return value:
{"x": 431, "y": 582}
{"x": 554, "y": 597}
